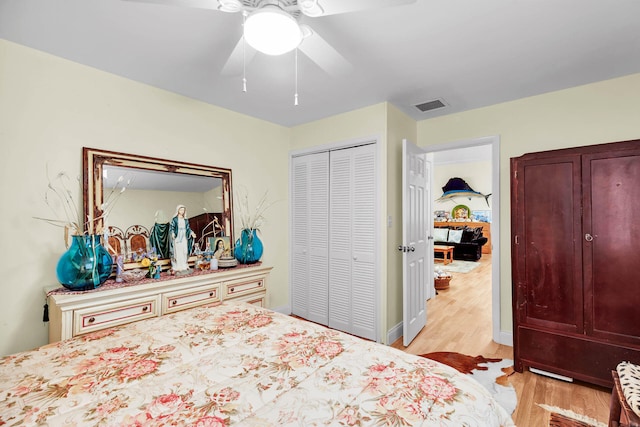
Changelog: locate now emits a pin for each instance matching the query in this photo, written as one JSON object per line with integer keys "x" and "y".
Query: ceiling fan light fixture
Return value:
{"x": 310, "y": 7}
{"x": 272, "y": 31}
{"x": 230, "y": 6}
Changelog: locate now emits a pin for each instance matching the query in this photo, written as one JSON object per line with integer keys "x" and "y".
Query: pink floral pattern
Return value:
{"x": 235, "y": 364}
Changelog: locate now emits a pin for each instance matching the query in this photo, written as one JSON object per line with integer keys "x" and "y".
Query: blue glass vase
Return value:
{"x": 85, "y": 265}
{"x": 248, "y": 247}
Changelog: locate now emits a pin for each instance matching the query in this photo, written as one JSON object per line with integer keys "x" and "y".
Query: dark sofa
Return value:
{"x": 467, "y": 241}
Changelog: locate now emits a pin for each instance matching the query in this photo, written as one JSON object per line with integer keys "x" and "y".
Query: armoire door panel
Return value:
{"x": 612, "y": 290}
{"x": 552, "y": 283}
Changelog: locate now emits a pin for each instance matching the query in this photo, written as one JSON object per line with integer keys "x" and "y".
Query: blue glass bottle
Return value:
{"x": 85, "y": 265}
{"x": 249, "y": 247}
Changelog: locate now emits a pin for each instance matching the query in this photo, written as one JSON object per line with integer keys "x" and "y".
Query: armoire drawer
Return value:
{"x": 241, "y": 287}
{"x": 110, "y": 315}
{"x": 181, "y": 300}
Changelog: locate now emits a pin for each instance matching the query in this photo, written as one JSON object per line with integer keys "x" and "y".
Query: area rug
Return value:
{"x": 493, "y": 374}
{"x": 457, "y": 266}
{"x": 559, "y": 417}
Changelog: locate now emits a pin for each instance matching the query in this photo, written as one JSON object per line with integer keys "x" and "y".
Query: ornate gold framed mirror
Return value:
{"x": 154, "y": 189}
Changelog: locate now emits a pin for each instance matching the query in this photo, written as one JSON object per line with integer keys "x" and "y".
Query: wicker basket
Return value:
{"x": 442, "y": 282}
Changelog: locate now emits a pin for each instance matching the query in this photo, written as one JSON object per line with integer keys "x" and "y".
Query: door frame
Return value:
{"x": 380, "y": 256}
{"x": 499, "y": 336}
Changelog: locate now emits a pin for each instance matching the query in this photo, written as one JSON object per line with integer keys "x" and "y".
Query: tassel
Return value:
{"x": 45, "y": 314}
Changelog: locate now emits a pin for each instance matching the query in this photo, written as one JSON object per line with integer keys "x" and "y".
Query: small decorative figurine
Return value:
{"x": 119, "y": 268}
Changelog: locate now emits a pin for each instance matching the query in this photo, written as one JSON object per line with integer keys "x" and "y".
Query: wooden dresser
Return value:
{"x": 486, "y": 230}
{"x": 77, "y": 313}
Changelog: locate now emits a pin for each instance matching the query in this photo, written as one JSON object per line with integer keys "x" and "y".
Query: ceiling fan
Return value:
{"x": 287, "y": 15}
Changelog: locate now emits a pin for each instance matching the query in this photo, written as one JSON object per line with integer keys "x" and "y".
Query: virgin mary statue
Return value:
{"x": 181, "y": 241}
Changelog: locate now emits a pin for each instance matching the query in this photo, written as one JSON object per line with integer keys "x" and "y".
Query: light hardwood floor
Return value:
{"x": 459, "y": 319}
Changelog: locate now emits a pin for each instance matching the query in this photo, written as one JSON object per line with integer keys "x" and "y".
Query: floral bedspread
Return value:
{"x": 235, "y": 364}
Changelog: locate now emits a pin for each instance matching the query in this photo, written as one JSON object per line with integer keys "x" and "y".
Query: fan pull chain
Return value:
{"x": 295, "y": 97}
{"x": 244, "y": 55}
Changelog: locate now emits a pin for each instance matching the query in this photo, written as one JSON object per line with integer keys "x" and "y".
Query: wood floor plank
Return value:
{"x": 459, "y": 319}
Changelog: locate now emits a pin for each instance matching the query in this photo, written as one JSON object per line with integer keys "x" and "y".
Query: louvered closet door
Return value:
{"x": 352, "y": 241}
{"x": 310, "y": 214}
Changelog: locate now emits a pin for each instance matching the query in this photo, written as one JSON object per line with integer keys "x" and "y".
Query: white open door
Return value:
{"x": 417, "y": 253}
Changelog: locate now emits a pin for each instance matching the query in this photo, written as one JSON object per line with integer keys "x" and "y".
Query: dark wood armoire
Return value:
{"x": 575, "y": 224}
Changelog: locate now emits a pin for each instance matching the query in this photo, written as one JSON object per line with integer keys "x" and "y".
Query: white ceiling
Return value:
{"x": 469, "y": 53}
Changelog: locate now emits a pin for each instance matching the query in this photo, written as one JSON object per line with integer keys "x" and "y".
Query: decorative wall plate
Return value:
{"x": 461, "y": 212}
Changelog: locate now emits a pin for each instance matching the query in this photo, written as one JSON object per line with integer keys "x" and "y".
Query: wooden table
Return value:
{"x": 444, "y": 250}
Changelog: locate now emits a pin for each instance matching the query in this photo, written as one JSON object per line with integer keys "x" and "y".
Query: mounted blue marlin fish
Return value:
{"x": 457, "y": 187}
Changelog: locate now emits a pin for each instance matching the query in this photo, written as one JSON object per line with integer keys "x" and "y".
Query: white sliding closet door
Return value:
{"x": 353, "y": 292}
{"x": 310, "y": 252}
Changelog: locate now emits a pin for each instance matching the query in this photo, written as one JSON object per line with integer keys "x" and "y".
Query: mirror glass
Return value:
{"x": 134, "y": 218}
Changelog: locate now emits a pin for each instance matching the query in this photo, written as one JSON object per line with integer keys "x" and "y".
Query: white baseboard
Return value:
{"x": 505, "y": 338}
{"x": 394, "y": 333}
{"x": 285, "y": 309}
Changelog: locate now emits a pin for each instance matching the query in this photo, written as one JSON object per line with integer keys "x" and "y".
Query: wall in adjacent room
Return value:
{"x": 50, "y": 108}
{"x": 606, "y": 111}
{"x": 476, "y": 174}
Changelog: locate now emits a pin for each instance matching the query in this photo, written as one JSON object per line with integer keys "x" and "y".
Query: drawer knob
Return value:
{"x": 211, "y": 294}
{"x": 231, "y": 290}
{"x": 174, "y": 302}
{"x": 145, "y": 308}
{"x": 92, "y": 319}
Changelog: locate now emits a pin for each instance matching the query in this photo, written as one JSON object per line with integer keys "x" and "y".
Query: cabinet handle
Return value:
{"x": 92, "y": 319}
{"x": 588, "y": 237}
{"x": 145, "y": 308}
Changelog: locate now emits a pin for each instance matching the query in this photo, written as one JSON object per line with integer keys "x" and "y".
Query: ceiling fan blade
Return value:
{"x": 236, "y": 63}
{"x": 323, "y": 54}
{"x": 223, "y": 5}
{"x": 332, "y": 7}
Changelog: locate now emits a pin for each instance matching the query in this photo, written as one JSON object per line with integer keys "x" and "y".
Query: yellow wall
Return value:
{"x": 50, "y": 108}
{"x": 606, "y": 111}
{"x": 400, "y": 126}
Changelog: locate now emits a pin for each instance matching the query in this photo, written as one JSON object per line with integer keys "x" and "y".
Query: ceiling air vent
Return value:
{"x": 430, "y": 105}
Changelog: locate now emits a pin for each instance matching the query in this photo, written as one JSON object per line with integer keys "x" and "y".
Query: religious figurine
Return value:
{"x": 181, "y": 239}
{"x": 119, "y": 268}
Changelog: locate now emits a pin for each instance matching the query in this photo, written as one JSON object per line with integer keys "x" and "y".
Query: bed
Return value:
{"x": 235, "y": 364}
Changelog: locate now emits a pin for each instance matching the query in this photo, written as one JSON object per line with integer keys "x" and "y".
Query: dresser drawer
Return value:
{"x": 258, "y": 299}
{"x": 241, "y": 287}
{"x": 181, "y": 300}
{"x": 110, "y": 315}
